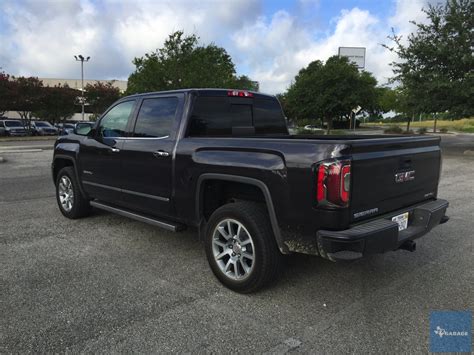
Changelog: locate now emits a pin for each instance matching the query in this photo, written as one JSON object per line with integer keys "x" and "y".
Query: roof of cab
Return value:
{"x": 198, "y": 91}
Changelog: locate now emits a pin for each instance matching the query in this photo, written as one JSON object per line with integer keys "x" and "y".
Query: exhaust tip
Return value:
{"x": 409, "y": 245}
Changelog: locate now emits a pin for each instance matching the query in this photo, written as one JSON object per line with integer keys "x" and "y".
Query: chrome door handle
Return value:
{"x": 114, "y": 150}
{"x": 161, "y": 153}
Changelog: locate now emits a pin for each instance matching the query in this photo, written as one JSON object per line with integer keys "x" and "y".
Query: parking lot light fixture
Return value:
{"x": 80, "y": 58}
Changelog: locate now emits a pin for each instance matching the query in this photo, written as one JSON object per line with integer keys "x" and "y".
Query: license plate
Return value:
{"x": 402, "y": 220}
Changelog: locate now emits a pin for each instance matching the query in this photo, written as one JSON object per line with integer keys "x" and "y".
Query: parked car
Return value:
{"x": 14, "y": 128}
{"x": 65, "y": 128}
{"x": 2, "y": 129}
{"x": 313, "y": 128}
{"x": 222, "y": 161}
{"x": 43, "y": 128}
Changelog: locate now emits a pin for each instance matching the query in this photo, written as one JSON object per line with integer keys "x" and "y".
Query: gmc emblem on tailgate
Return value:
{"x": 405, "y": 176}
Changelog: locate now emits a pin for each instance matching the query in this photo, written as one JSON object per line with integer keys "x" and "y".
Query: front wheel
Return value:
{"x": 241, "y": 248}
{"x": 68, "y": 195}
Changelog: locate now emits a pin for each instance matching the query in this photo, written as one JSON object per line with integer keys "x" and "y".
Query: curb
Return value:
{"x": 33, "y": 150}
{"x": 29, "y": 139}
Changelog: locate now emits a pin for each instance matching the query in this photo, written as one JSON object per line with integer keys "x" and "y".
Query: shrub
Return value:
{"x": 443, "y": 130}
{"x": 393, "y": 130}
{"x": 422, "y": 130}
{"x": 467, "y": 129}
{"x": 409, "y": 132}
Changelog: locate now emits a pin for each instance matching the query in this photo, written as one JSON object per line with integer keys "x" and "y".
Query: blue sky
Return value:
{"x": 268, "y": 40}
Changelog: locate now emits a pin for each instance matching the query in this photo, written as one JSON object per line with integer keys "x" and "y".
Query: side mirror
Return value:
{"x": 82, "y": 129}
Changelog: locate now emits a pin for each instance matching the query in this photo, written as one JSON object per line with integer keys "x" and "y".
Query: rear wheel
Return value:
{"x": 241, "y": 248}
{"x": 68, "y": 195}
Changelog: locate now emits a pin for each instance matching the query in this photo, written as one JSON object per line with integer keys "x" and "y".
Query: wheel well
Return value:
{"x": 216, "y": 193}
{"x": 59, "y": 164}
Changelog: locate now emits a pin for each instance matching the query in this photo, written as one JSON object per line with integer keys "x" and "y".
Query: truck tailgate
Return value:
{"x": 391, "y": 173}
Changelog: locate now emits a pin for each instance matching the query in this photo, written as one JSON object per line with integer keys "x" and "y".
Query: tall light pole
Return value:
{"x": 81, "y": 59}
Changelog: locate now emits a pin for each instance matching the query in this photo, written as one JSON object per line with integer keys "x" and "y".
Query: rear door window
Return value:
{"x": 155, "y": 118}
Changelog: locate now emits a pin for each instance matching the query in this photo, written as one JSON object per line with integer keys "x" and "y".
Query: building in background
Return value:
{"x": 76, "y": 83}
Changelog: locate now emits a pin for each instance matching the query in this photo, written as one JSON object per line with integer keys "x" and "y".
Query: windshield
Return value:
{"x": 42, "y": 124}
{"x": 13, "y": 124}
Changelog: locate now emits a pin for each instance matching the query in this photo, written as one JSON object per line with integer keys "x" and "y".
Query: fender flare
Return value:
{"x": 67, "y": 157}
{"x": 250, "y": 181}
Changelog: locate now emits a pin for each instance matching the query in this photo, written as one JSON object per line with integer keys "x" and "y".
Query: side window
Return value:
{"x": 156, "y": 117}
{"x": 114, "y": 123}
{"x": 1, "y": 124}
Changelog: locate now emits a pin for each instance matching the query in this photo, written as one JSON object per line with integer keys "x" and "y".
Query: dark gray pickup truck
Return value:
{"x": 223, "y": 162}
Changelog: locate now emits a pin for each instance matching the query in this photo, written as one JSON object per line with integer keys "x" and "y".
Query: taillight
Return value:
{"x": 333, "y": 183}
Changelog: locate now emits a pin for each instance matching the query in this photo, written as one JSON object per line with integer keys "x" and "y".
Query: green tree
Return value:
{"x": 406, "y": 103}
{"x": 28, "y": 98}
{"x": 100, "y": 96}
{"x": 57, "y": 103}
{"x": 8, "y": 90}
{"x": 386, "y": 100}
{"x": 183, "y": 63}
{"x": 330, "y": 90}
{"x": 436, "y": 65}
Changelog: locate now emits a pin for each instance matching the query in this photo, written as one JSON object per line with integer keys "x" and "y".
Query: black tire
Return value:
{"x": 80, "y": 205}
{"x": 267, "y": 260}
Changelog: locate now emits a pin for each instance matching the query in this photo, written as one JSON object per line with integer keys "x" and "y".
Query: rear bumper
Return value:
{"x": 381, "y": 235}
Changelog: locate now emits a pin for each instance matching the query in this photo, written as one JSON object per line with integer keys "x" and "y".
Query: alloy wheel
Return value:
{"x": 66, "y": 193}
{"x": 233, "y": 249}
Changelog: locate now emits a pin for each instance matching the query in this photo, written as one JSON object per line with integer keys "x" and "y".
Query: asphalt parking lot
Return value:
{"x": 110, "y": 284}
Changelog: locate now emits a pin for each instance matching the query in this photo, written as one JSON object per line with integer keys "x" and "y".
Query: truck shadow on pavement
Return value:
{"x": 175, "y": 258}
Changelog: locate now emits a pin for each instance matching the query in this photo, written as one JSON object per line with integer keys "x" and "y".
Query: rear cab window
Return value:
{"x": 223, "y": 116}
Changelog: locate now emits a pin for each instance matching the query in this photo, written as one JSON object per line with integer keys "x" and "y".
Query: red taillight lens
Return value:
{"x": 333, "y": 183}
{"x": 239, "y": 93}
{"x": 321, "y": 188}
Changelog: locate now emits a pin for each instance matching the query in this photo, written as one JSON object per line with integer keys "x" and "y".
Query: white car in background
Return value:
{"x": 312, "y": 128}
{"x": 13, "y": 128}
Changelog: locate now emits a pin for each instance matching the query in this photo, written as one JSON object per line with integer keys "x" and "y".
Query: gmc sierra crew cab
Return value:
{"x": 223, "y": 162}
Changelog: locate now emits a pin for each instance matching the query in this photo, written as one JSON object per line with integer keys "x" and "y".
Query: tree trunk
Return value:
{"x": 329, "y": 121}
{"x": 435, "y": 121}
{"x": 25, "y": 119}
{"x": 408, "y": 122}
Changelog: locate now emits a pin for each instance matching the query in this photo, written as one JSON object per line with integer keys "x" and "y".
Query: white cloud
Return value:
{"x": 277, "y": 48}
{"x": 42, "y": 38}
